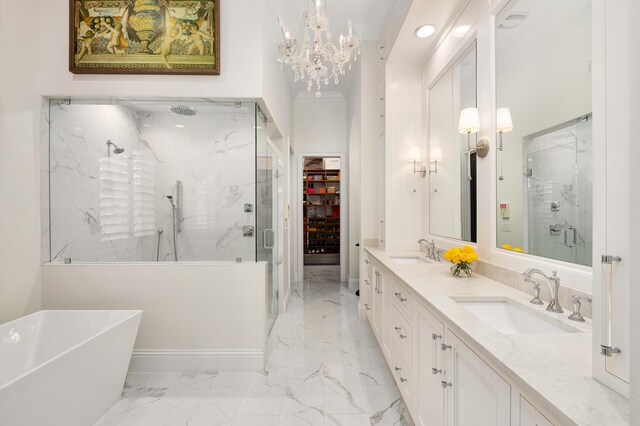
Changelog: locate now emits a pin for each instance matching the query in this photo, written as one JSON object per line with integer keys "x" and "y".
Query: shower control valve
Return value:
{"x": 248, "y": 231}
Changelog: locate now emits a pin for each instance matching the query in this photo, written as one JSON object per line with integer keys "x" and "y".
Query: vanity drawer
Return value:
{"x": 405, "y": 379}
{"x": 402, "y": 298}
{"x": 401, "y": 335}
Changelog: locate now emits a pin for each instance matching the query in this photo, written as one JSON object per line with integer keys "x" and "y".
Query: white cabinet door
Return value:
{"x": 380, "y": 312}
{"x": 475, "y": 394}
{"x": 430, "y": 405}
{"x": 530, "y": 416}
{"x": 611, "y": 193}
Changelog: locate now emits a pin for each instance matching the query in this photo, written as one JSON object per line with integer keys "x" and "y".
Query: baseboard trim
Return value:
{"x": 166, "y": 360}
{"x": 354, "y": 284}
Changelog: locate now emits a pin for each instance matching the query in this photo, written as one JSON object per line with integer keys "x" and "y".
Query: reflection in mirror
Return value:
{"x": 543, "y": 80}
{"x": 452, "y": 183}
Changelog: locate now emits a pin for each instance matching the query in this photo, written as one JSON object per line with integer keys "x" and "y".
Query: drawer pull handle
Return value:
{"x": 403, "y": 380}
{"x": 367, "y": 282}
{"x": 445, "y": 385}
{"x": 366, "y": 305}
{"x": 399, "y": 296}
{"x": 399, "y": 331}
{"x": 398, "y": 369}
{"x": 367, "y": 261}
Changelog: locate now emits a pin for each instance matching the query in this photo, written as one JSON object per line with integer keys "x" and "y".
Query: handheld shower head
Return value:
{"x": 170, "y": 198}
{"x": 116, "y": 148}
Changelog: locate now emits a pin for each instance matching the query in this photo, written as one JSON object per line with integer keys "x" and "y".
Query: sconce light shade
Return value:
{"x": 435, "y": 154}
{"x": 469, "y": 121}
{"x": 415, "y": 155}
{"x": 503, "y": 120}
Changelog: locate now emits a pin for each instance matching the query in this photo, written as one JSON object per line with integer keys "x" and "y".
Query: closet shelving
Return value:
{"x": 321, "y": 207}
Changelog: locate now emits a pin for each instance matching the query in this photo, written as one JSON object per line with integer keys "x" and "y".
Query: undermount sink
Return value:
{"x": 409, "y": 260}
{"x": 510, "y": 317}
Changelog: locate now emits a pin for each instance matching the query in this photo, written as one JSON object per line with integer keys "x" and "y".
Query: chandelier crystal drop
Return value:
{"x": 317, "y": 60}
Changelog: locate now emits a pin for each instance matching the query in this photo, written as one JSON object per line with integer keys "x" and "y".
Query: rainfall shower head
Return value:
{"x": 183, "y": 110}
{"x": 116, "y": 148}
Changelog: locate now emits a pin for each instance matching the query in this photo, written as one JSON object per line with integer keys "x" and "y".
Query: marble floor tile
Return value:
{"x": 324, "y": 367}
{"x": 346, "y": 420}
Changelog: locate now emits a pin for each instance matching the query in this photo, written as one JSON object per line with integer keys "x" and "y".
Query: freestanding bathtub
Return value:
{"x": 64, "y": 367}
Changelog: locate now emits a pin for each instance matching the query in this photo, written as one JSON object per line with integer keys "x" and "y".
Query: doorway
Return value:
{"x": 322, "y": 197}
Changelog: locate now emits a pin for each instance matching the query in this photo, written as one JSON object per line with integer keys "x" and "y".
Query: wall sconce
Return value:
{"x": 415, "y": 157}
{"x": 435, "y": 156}
{"x": 470, "y": 123}
{"x": 504, "y": 125}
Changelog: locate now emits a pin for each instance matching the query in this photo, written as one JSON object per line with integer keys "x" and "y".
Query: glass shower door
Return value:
{"x": 267, "y": 226}
{"x": 558, "y": 193}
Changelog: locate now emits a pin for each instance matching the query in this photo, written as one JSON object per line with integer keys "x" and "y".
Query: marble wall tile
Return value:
{"x": 212, "y": 154}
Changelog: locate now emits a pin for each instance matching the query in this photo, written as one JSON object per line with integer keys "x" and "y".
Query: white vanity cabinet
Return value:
{"x": 443, "y": 381}
{"x": 475, "y": 394}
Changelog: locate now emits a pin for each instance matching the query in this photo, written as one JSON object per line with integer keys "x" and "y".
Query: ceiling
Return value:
{"x": 367, "y": 16}
{"x": 440, "y": 13}
{"x": 369, "y": 20}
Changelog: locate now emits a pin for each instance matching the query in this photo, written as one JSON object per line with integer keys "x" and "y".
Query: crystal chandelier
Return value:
{"x": 312, "y": 59}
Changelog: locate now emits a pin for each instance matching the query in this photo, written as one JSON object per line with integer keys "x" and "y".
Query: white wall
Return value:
{"x": 369, "y": 116}
{"x": 240, "y": 73}
{"x": 40, "y": 68}
{"x": 634, "y": 203}
{"x": 403, "y": 132}
{"x": 354, "y": 130}
{"x": 19, "y": 163}
{"x": 188, "y": 309}
{"x": 320, "y": 124}
{"x": 319, "y": 127}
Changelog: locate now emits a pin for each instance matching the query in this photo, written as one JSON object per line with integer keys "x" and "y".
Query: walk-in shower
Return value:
{"x": 185, "y": 167}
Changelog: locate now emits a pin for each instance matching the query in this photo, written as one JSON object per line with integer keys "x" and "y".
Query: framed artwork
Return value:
{"x": 144, "y": 37}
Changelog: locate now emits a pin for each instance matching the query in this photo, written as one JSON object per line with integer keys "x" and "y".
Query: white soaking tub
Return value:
{"x": 64, "y": 367}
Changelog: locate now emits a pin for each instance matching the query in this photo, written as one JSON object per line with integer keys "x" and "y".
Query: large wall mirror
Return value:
{"x": 544, "y": 121}
{"x": 452, "y": 182}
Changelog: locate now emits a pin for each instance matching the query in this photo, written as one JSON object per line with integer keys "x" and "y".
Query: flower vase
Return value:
{"x": 461, "y": 270}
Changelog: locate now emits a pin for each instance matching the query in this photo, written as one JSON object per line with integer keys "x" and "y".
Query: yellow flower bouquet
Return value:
{"x": 462, "y": 258}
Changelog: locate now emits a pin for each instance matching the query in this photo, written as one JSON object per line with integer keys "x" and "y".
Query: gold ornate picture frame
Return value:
{"x": 144, "y": 37}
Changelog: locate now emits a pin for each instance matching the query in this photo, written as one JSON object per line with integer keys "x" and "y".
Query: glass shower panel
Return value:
{"x": 559, "y": 193}
{"x": 267, "y": 227}
{"x": 150, "y": 180}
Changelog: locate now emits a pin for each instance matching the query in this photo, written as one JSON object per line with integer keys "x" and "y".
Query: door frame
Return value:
{"x": 344, "y": 223}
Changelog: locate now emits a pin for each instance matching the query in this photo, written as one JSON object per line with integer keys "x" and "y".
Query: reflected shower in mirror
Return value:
{"x": 452, "y": 171}
{"x": 544, "y": 122}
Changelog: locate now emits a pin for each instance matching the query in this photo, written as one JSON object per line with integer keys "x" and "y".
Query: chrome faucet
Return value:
{"x": 431, "y": 248}
{"x": 554, "y": 285}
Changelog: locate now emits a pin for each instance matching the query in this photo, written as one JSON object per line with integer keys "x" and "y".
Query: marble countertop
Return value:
{"x": 553, "y": 369}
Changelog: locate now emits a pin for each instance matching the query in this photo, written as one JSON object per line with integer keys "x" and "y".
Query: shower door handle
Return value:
{"x": 265, "y": 232}
{"x": 574, "y": 241}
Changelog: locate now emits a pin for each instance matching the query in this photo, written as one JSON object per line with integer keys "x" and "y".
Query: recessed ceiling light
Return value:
{"x": 425, "y": 31}
{"x": 179, "y": 126}
{"x": 461, "y": 31}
